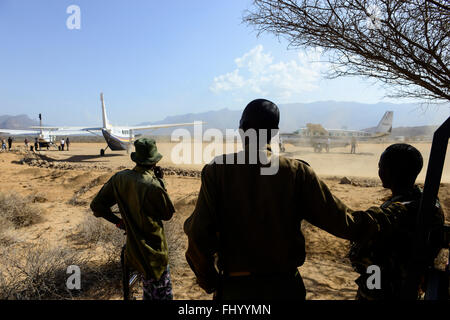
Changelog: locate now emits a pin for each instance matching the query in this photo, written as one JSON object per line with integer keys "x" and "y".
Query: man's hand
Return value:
{"x": 159, "y": 173}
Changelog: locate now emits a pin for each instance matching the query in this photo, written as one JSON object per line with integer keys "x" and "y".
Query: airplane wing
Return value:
{"x": 68, "y": 128}
{"x": 160, "y": 126}
{"x": 53, "y": 130}
{"x": 289, "y": 135}
{"x": 18, "y": 132}
{"x": 70, "y": 132}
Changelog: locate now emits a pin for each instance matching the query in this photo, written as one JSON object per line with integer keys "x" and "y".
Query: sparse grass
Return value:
{"x": 75, "y": 200}
{"x": 95, "y": 232}
{"x": 7, "y": 237}
{"x": 35, "y": 272}
{"x": 17, "y": 212}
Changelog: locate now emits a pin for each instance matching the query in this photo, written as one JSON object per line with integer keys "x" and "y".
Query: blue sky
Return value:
{"x": 151, "y": 59}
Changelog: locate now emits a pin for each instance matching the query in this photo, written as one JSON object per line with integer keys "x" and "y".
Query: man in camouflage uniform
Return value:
{"x": 248, "y": 225}
{"x": 399, "y": 166}
{"x": 143, "y": 201}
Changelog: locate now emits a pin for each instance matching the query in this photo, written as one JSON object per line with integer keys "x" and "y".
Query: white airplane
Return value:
{"x": 320, "y": 138}
{"x": 45, "y": 136}
{"x": 117, "y": 138}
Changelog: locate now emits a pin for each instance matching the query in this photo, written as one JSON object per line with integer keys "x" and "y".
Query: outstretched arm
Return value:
{"x": 327, "y": 212}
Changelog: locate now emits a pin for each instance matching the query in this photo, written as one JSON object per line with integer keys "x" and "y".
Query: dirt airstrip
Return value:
{"x": 62, "y": 184}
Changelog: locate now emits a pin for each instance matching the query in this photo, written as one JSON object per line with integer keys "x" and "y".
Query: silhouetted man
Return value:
{"x": 10, "y": 140}
{"x": 251, "y": 221}
{"x": 399, "y": 166}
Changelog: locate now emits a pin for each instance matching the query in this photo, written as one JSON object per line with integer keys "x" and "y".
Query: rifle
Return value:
{"x": 128, "y": 278}
{"x": 437, "y": 281}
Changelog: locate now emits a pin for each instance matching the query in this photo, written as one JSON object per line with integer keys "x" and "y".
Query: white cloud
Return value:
{"x": 257, "y": 73}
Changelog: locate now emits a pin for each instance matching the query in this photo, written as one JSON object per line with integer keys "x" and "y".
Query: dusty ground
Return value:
{"x": 74, "y": 177}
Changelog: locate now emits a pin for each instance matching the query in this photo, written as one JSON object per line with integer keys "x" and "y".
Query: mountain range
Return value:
{"x": 21, "y": 121}
{"x": 331, "y": 114}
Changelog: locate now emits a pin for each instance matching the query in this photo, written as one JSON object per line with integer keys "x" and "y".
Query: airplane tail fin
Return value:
{"x": 385, "y": 124}
{"x": 105, "y": 118}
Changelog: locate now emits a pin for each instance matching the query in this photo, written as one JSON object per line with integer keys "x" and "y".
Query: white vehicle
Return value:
{"x": 320, "y": 138}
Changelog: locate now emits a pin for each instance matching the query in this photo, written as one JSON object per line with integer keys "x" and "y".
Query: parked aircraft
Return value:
{"x": 121, "y": 137}
{"x": 45, "y": 135}
{"x": 320, "y": 138}
{"x": 116, "y": 137}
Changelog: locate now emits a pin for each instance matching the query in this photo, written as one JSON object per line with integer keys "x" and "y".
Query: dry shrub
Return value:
{"x": 95, "y": 232}
{"x": 39, "y": 272}
{"x": 36, "y": 272}
{"x": 17, "y": 211}
{"x": 7, "y": 235}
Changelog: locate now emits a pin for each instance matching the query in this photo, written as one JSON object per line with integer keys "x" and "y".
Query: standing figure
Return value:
{"x": 67, "y": 143}
{"x": 399, "y": 166}
{"x": 10, "y": 140}
{"x": 244, "y": 236}
{"x": 143, "y": 202}
{"x": 62, "y": 144}
{"x": 353, "y": 142}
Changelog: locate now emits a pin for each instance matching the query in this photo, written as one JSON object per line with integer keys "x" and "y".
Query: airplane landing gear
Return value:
{"x": 102, "y": 151}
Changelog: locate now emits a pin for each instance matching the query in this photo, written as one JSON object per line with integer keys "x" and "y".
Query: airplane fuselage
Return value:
{"x": 117, "y": 138}
{"x": 334, "y": 138}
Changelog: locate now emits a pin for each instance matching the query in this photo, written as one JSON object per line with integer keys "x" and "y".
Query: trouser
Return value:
{"x": 285, "y": 286}
{"x": 158, "y": 289}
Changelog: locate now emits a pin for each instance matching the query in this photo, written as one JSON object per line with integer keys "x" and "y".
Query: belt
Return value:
{"x": 248, "y": 273}
{"x": 239, "y": 274}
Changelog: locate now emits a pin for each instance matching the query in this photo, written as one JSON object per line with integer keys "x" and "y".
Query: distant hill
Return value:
{"x": 331, "y": 114}
{"x": 17, "y": 122}
{"x": 422, "y": 131}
